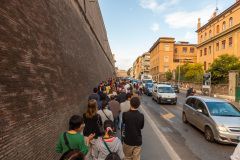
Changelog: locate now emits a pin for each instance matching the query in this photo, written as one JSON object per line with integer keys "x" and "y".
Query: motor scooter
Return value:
{"x": 191, "y": 94}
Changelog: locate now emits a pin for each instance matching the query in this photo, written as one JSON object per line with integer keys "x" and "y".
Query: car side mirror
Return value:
{"x": 199, "y": 110}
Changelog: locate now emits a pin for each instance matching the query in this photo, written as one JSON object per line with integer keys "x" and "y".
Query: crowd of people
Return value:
{"x": 112, "y": 106}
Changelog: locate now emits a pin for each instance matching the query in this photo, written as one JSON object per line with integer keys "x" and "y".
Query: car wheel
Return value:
{"x": 209, "y": 134}
{"x": 184, "y": 118}
{"x": 152, "y": 98}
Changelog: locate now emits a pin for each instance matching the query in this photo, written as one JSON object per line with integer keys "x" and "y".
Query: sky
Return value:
{"x": 133, "y": 26}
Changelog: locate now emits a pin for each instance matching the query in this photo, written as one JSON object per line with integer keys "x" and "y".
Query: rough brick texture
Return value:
{"x": 53, "y": 52}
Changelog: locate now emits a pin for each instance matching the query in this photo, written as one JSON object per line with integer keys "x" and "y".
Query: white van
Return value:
{"x": 163, "y": 94}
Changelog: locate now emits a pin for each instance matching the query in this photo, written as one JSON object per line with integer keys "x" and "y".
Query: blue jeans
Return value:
{"x": 115, "y": 124}
{"x": 120, "y": 119}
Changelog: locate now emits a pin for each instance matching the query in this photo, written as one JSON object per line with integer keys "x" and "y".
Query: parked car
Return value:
{"x": 163, "y": 94}
{"x": 166, "y": 83}
{"x": 218, "y": 119}
{"x": 148, "y": 89}
{"x": 175, "y": 88}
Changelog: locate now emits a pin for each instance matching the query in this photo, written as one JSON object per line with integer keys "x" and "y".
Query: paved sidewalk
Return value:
{"x": 152, "y": 148}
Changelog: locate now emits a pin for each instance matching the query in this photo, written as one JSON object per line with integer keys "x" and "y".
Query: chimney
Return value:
{"x": 199, "y": 23}
{"x": 214, "y": 14}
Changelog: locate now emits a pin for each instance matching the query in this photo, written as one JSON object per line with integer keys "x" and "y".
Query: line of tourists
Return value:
{"x": 111, "y": 107}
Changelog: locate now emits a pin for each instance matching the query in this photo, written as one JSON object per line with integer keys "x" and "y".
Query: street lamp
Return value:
{"x": 179, "y": 65}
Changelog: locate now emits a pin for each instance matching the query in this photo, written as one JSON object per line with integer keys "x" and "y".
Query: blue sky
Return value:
{"x": 134, "y": 25}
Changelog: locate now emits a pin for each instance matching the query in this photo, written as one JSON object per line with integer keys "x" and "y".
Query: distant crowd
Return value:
{"x": 112, "y": 106}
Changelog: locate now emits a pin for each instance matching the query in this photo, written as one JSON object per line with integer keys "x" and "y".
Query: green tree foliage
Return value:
{"x": 220, "y": 67}
{"x": 169, "y": 75}
{"x": 190, "y": 72}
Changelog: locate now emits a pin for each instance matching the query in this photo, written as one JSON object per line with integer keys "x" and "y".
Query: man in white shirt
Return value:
{"x": 126, "y": 87}
{"x": 236, "y": 153}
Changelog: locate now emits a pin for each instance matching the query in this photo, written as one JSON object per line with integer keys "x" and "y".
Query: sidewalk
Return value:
{"x": 152, "y": 147}
{"x": 199, "y": 93}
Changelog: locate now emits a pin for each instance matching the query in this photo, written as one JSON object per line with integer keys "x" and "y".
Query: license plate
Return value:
{"x": 169, "y": 100}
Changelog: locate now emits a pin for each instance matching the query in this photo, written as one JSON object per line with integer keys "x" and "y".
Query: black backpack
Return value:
{"x": 111, "y": 155}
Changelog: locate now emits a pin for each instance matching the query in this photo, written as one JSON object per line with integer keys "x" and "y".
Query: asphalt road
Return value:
{"x": 185, "y": 139}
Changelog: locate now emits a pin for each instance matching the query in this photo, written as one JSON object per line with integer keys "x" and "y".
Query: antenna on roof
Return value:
{"x": 217, "y": 11}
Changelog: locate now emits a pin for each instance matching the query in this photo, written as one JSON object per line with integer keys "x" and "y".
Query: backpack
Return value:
{"x": 111, "y": 155}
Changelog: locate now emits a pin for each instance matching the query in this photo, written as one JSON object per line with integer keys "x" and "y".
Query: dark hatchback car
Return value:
{"x": 175, "y": 88}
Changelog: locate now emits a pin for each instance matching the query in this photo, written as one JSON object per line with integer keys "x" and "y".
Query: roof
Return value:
{"x": 218, "y": 17}
{"x": 208, "y": 99}
{"x": 166, "y": 38}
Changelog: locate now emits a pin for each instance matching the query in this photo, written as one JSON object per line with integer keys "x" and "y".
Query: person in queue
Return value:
{"x": 91, "y": 120}
{"x": 74, "y": 139}
{"x": 104, "y": 112}
{"x": 115, "y": 108}
{"x": 113, "y": 143}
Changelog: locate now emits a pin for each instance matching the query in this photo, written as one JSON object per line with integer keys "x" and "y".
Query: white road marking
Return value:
{"x": 167, "y": 146}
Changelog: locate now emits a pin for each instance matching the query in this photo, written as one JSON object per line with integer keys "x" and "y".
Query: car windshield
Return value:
{"x": 150, "y": 85}
{"x": 222, "y": 109}
{"x": 165, "y": 90}
{"x": 174, "y": 86}
{"x": 147, "y": 81}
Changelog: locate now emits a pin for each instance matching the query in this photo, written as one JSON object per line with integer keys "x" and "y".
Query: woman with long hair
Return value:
{"x": 114, "y": 144}
{"x": 91, "y": 120}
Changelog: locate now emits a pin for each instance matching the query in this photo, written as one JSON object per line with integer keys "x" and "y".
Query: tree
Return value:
{"x": 169, "y": 75}
{"x": 190, "y": 72}
{"x": 128, "y": 71}
{"x": 221, "y": 65}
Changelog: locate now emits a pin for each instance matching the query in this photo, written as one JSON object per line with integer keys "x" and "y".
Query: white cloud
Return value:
{"x": 190, "y": 36}
{"x": 155, "y": 27}
{"x": 185, "y": 19}
{"x": 156, "y": 6}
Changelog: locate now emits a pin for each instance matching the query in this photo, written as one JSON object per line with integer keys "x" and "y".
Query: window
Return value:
{"x": 191, "y": 102}
{"x": 209, "y": 65}
{"x": 210, "y": 33}
{"x": 200, "y": 105}
{"x": 201, "y": 38}
{"x": 184, "y": 49}
{"x": 205, "y": 51}
{"x": 175, "y": 50}
{"x": 191, "y": 50}
{"x": 210, "y": 49}
{"x": 166, "y": 59}
{"x": 230, "y": 42}
{"x": 200, "y": 53}
{"x": 217, "y": 46}
{"x": 166, "y": 68}
{"x": 205, "y": 36}
{"x": 224, "y": 25}
{"x": 217, "y": 28}
{"x": 230, "y": 22}
{"x": 166, "y": 47}
{"x": 223, "y": 44}
{"x": 205, "y": 67}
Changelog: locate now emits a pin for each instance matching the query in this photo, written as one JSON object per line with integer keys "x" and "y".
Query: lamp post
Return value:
{"x": 179, "y": 65}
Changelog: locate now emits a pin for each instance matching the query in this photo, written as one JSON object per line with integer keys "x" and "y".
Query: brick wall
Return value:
{"x": 53, "y": 52}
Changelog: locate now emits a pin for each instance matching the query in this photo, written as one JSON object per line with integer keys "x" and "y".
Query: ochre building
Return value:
{"x": 166, "y": 54}
{"x": 220, "y": 35}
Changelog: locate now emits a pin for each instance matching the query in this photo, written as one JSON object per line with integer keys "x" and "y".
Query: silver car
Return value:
{"x": 218, "y": 119}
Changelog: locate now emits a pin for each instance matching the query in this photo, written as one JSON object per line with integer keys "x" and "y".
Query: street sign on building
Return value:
{"x": 206, "y": 80}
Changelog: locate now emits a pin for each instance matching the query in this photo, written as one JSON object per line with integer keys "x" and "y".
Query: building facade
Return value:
{"x": 121, "y": 73}
{"x": 145, "y": 64}
{"x": 139, "y": 64}
{"x": 131, "y": 72}
{"x": 220, "y": 35}
{"x": 135, "y": 69}
{"x": 166, "y": 55}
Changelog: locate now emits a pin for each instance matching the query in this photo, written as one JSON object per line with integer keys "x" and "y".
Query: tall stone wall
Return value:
{"x": 53, "y": 52}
